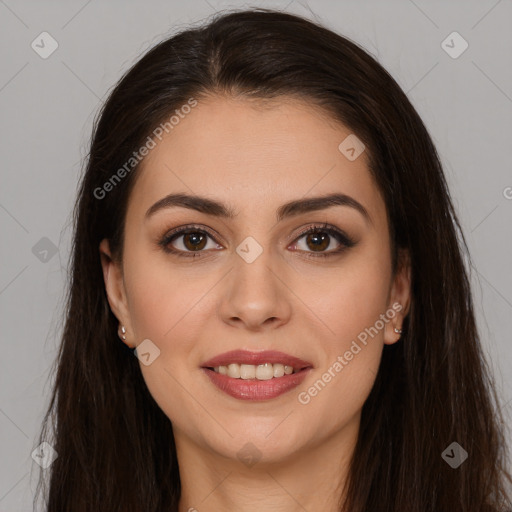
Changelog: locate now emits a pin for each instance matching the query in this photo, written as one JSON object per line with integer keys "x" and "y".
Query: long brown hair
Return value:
{"x": 115, "y": 446}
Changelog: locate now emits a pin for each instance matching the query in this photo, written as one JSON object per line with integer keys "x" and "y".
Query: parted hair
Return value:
{"x": 115, "y": 446}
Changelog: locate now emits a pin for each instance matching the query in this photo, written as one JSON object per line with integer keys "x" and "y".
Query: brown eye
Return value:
{"x": 317, "y": 241}
{"x": 194, "y": 241}
{"x": 189, "y": 241}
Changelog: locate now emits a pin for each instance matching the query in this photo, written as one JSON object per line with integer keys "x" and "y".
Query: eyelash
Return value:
{"x": 342, "y": 238}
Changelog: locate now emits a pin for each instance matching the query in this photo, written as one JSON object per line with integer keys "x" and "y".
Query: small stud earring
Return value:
{"x": 398, "y": 331}
{"x": 123, "y": 330}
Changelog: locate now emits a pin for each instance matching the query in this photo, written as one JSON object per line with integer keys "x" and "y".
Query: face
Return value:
{"x": 257, "y": 281}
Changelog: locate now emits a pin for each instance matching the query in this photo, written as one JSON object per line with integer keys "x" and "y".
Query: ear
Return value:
{"x": 399, "y": 297}
{"x": 114, "y": 287}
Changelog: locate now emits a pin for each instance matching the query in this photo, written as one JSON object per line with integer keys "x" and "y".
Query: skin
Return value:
{"x": 255, "y": 159}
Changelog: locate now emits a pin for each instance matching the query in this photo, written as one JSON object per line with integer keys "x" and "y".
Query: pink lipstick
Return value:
{"x": 248, "y": 375}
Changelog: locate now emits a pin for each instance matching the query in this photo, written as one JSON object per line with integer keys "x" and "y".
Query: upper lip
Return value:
{"x": 256, "y": 358}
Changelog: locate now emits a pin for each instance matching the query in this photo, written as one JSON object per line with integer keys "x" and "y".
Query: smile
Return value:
{"x": 264, "y": 371}
{"x": 256, "y": 375}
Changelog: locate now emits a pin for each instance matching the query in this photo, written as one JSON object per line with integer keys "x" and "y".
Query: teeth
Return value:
{"x": 247, "y": 371}
{"x": 233, "y": 371}
{"x": 278, "y": 370}
{"x": 265, "y": 371}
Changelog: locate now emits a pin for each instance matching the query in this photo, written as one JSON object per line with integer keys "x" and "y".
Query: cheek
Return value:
{"x": 355, "y": 310}
{"x": 350, "y": 299}
{"x": 351, "y": 352}
{"x": 165, "y": 308}
{"x": 161, "y": 298}
{"x": 170, "y": 307}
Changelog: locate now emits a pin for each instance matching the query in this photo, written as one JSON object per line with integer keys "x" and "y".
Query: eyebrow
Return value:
{"x": 290, "y": 209}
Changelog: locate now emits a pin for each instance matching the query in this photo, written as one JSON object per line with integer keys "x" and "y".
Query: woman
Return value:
{"x": 265, "y": 224}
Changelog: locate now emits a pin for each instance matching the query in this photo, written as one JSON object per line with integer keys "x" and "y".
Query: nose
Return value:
{"x": 255, "y": 295}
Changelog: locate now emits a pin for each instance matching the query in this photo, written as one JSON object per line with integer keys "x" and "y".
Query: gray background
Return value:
{"x": 47, "y": 107}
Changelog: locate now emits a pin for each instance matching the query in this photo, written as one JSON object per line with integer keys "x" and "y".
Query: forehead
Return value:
{"x": 253, "y": 157}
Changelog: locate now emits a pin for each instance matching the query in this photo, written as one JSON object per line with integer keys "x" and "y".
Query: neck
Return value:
{"x": 311, "y": 478}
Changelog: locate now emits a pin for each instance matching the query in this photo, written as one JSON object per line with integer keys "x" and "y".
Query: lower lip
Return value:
{"x": 253, "y": 389}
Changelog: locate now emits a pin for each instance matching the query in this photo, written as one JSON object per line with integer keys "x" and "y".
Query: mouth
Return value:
{"x": 265, "y": 371}
{"x": 256, "y": 375}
